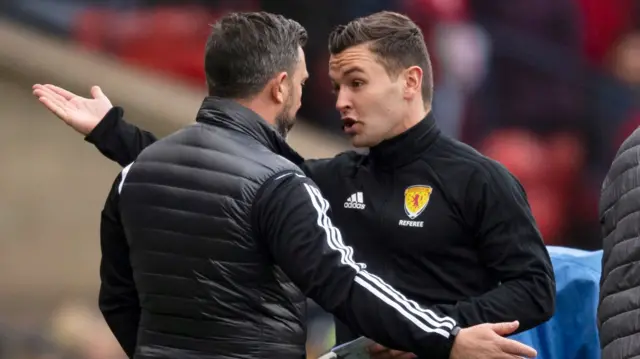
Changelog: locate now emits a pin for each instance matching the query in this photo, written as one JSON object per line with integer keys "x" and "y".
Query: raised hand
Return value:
{"x": 81, "y": 113}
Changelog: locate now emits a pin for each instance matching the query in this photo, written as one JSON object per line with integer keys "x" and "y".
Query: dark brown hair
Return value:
{"x": 245, "y": 50}
{"x": 395, "y": 39}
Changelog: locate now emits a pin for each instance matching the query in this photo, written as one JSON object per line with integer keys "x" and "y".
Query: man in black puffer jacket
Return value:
{"x": 619, "y": 306}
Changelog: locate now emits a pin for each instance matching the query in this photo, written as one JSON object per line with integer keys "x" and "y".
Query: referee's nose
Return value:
{"x": 343, "y": 102}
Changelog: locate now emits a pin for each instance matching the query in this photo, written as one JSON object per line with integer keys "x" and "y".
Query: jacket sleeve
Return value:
{"x": 119, "y": 140}
{"x": 512, "y": 249}
{"x": 291, "y": 217}
{"x": 118, "y": 297}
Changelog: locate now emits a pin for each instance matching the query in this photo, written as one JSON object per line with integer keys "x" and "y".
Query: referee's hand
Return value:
{"x": 486, "y": 341}
{"x": 81, "y": 113}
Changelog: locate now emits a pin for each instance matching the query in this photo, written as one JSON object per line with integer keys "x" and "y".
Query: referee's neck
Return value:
{"x": 413, "y": 117}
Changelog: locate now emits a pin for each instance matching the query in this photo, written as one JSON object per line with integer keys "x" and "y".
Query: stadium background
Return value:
{"x": 548, "y": 87}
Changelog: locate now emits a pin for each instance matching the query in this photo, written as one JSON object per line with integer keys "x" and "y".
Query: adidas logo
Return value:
{"x": 355, "y": 201}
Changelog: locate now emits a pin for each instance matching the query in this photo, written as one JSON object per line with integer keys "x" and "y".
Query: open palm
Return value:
{"x": 82, "y": 114}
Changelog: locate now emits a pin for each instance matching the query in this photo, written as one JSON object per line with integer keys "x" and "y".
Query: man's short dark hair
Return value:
{"x": 394, "y": 38}
{"x": 245, "y": 50}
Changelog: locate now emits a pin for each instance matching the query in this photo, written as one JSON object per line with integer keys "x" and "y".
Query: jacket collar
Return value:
{"x": 229, "y": 114}
{"x": 406, "y": 147}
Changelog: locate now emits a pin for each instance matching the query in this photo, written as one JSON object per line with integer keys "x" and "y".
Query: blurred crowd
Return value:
{"x": 550, "y": 88}
{"x": 547, "y": 87}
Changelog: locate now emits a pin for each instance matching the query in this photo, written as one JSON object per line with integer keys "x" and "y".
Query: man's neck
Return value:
{"x": 257, "y": 105}
{"x": 412, "y": 119}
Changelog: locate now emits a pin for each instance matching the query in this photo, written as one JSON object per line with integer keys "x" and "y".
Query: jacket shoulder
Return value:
{"x": 464, "y": 160}
{"x": 219, "y": 150}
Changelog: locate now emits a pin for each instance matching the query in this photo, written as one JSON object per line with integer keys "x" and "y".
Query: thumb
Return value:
{"x": 97, "y": 93}
{"x": 503, "y": 329}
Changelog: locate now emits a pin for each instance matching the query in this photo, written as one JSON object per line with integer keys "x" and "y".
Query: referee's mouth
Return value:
{"x": 349, "y": 125}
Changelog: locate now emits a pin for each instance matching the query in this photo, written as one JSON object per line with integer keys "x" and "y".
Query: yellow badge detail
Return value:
{"x": 416, "y": 199}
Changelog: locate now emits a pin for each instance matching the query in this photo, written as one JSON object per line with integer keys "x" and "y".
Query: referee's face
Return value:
{"x": 370, "y": 101}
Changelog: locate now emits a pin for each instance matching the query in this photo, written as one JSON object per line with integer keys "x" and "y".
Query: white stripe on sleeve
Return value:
{"x": 124, "y": 175}
{"x": 425, "y": 319}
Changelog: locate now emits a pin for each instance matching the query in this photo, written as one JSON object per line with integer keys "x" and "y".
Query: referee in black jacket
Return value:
{"x": 436, "y": 219}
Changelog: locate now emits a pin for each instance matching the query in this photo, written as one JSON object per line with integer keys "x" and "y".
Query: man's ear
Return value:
{"x": 412, "y": 82}
{"x": 279, "y": 88}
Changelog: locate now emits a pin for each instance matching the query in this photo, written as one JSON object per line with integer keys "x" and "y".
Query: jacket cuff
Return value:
{"x": 443, "y": 350}
{"x": 106, "y": 126}
{"x": 448, "y": 346}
